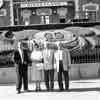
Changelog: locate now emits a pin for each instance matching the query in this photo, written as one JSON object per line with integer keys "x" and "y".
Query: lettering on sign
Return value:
{"x": 43, "y": 4}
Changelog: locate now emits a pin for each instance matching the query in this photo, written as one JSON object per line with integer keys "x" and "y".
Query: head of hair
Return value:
{"x": 36, "y": 44}
{"x": 51, "y": 36}
{"x": 62, "y": 35}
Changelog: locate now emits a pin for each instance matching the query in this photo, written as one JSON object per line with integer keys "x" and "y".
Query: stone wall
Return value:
{"x": 77, "y": 71}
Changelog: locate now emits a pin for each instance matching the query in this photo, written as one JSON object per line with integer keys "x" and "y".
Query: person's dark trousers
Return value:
{"x": 25, "y": 80}
{"x": 46, "y": 78}
{"x": 19, "y": 81}
{"x": 49, "y": 76}
{"x": 60, "y": 81}
{"x": 66, "y": 77}
{"x": 21, "y": 76}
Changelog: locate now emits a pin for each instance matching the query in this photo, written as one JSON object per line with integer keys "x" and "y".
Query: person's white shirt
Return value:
{"x": 58, "y": 56}
{"x": 20, "y": 51}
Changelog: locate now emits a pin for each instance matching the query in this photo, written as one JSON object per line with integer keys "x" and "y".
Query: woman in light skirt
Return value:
{"x": 37, "y": 64}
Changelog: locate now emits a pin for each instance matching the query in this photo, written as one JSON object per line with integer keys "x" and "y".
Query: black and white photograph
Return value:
{"x": 50, "y": 49}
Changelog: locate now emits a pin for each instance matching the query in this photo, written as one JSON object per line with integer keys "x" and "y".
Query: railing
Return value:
{"x": 87, "y": 56}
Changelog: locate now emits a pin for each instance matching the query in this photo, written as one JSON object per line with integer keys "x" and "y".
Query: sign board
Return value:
{"x": 42, "y": 4}
{"x": 91, "y": 7}
{"x": 3, "y": 12}
{"x": 44, "y": 11}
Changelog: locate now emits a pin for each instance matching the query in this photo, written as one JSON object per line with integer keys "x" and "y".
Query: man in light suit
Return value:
{"x": 48, "y": 55}
{"x": 63, "y": 61}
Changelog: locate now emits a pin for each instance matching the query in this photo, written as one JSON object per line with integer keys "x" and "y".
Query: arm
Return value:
{"x": 16, "y": 57}
{"x": 68, "y": 58}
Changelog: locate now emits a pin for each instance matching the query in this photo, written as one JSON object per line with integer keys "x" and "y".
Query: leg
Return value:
{"x": 66, "y": 77}
{"x": 60, "y": 82}
{"x": 25, "y": 80}
{"x": 19, "y": 80}
{"x": 52, "y": 79}
{"x": 46, "y": 77}
{"x": 38, "y": 81}
{"x": 38, "y": 86}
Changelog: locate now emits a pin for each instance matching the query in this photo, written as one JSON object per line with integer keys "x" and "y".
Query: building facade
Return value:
{"x": 43, "y": 12}
{"x": 27, "y": 12}
{"x": 89, "y": 9}
{"x": 6, "y": 13}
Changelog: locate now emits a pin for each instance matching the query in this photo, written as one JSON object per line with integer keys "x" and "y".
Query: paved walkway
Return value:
{"x": 79, "y": 90}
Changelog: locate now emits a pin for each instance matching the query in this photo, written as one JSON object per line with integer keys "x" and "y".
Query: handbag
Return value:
{"x": 36, "y": 56}
{"x": 40, "y": 66}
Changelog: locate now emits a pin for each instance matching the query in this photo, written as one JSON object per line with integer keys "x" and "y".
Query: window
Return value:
{"x": 3, "y": 12}
{"x": 90, "y": 10}
{"x": 91, "y": 15}
{"x": 62, "y": 20}
{"x": 44, "y": 11}
{"x": 62, "y": 11}
{"x": 87, "y": 56}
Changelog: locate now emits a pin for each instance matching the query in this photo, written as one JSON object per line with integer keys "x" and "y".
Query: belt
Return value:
{"x": 60, "y": 60}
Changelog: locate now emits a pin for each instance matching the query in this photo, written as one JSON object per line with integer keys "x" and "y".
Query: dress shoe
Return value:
{"x": 48, "y": 89}
{"x": 51, "y": 89}
{"x": 37, "y": 89}
{"x": 26, "y": 90}
{"x": 67, "y": 89}
{"x": 18, "y": 92}
{"x": 61, "y": 89}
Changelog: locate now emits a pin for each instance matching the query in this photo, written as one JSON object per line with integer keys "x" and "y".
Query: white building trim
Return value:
{"x": 90, "y": 4}
{"x": 77, "y": 8}
{"x": 11, "y": 13}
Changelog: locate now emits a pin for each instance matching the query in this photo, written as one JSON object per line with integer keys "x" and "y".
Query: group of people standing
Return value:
{"x": 50, "y": 60}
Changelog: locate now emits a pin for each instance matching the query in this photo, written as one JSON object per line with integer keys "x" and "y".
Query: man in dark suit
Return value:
{"x": 21, "y": 63}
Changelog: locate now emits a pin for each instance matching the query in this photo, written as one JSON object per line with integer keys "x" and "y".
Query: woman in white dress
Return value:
{"x": 37, "y": 64}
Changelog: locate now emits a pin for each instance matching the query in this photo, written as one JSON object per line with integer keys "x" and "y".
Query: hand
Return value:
{"x": 69, "y": 67}
{"x": 25, "y": 62}
{"x": 15, "y": 65}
